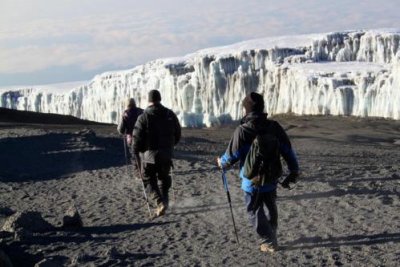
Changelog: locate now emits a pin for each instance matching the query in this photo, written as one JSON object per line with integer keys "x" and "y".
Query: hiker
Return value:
{"x": 156, "y": 133}
{"x": 257, "y": 193}
{"x": 125, "y": 127}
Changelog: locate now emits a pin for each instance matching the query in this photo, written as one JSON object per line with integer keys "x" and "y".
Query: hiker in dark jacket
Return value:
{"x": 256, "y": 196}
{"x": 129, "y": 118}
{"x": 156, "y": 133}
{"x": 125, "y": 127}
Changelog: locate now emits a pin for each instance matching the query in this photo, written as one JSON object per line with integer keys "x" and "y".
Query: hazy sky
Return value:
{"x": 48, "y": 41}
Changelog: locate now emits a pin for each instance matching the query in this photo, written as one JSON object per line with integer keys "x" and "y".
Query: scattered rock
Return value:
{"x": 395, "y": 176}
{"x": 4, "y": 213}
{"x": 72, "y": 218}
{"x": 54, "y": 261}
{"x": 80, "y": 258}
{"x": 86, "y": 133}
{"x": 111, "y": 253}
{"x": 21, "y": 234}
{"x": 30, "y": 221}
{"x": 5, "y": 187}
{"x": 4, "y": 259}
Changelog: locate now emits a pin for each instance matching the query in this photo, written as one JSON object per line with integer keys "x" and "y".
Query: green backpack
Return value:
{"x": 263, "y": 161}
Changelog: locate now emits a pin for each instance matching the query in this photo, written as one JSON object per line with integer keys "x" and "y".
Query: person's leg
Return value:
{"x": 150, "y": 183}
{"x": 128, "y": 149}
{"x": 165, "y": 180}
{"x": 137, "y": 163}
{"x": 256, "y": 215}
{"x": 270, "y": 203}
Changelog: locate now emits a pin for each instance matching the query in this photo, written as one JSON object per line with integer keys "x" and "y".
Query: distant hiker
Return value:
{"x": 125, "y": 127}
{"x": 260, "y": 187}
{"x": 129, "y": 118}
{"x": 156, "y": 133}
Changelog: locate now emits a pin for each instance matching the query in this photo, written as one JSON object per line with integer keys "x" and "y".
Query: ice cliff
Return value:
{"x": 343, "y": 73}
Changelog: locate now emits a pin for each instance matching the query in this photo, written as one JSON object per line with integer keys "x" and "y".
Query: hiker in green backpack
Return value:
{"x": 252, "y": 140}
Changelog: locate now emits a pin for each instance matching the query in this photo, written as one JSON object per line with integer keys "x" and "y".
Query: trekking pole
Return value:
{"x": 144, "y": 189}
{"x": 173, "y": 182}
{"x": 225, "y": 182}
{"x": 126, "y": 156}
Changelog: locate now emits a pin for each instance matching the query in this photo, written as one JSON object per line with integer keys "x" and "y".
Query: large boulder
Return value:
{"x": 72, "y": 218}
{"x": 30, "y": 221}
{"x": 4, "y": 213}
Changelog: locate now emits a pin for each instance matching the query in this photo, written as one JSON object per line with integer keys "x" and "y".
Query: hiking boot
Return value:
{"x": 268, "y": 247}
{"x": 166, "y": 204}
{"x": 161, "y": 208}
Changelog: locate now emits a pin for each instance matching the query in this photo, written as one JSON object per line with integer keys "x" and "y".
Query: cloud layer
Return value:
{"x": 39, "y": 35}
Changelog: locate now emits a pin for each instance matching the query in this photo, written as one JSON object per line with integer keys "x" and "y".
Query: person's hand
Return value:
{"x": 221, "y": 165}
{"x": 256, "y": 181}
{"x": 129, "y": 139}
{"x": 290, "y": 179}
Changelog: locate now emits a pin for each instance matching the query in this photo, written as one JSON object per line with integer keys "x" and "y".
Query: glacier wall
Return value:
{"x": 345, "y": 73}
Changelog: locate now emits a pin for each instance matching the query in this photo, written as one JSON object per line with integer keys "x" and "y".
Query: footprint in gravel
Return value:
{"x": 102, "y": 199}
{"x": 164, "y": 246}
{"x": 386, "y": 200}
{"x": 174, "y": 256}
{"x": 336, "y": 258}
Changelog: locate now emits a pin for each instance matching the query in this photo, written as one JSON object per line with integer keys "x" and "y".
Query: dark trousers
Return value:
{"x": 157, "y": 181}
{"x": 136, "y": 162}
{"x": 255, "y": 203}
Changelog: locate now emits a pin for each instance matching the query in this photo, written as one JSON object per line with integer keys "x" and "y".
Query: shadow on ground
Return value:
{"x": 99, "y": 235}
{"x": 52, "y": 156}
{"x": 339, "y": 193}
{"x": 351, "y": 240}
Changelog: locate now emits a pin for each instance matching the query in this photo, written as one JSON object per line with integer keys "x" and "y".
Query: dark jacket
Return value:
{"x": 251, "y": 125}
{"x": 156, "y": 133}
{"x": 129, "y": 119}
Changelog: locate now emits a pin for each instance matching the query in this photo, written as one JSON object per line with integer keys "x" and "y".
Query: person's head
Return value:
{"x": 154, "y": 97}
{"x": 130, "y": 103}
{"x": 253, "y": 102}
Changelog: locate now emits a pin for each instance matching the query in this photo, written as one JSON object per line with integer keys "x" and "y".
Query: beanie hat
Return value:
{"x": 253, "y": 102}
{"x": 154, "y": 96}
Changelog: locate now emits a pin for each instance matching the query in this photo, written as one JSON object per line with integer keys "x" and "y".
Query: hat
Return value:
{"x": 154, "y": 96}
{"x": 253, "y": 102}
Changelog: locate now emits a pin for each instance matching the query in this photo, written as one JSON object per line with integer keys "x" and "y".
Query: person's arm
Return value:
{"x": 236, "y": 148}
{"x": 178, "y": 130}
{"x": 122, "y": 124}
{"x": 287, "y": 150}
{"x": 139, "y": 134}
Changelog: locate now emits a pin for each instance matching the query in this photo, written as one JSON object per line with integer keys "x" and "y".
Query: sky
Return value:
{"x": 52, "y": 41}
